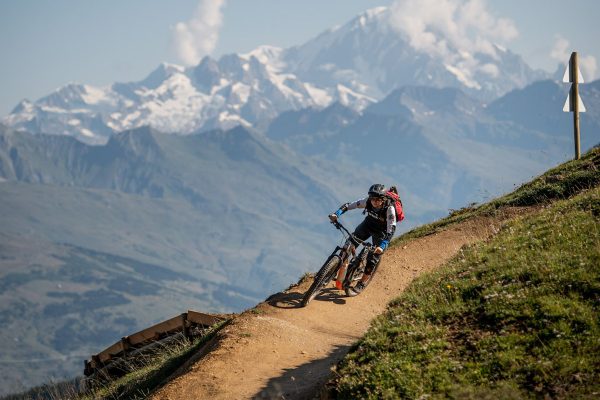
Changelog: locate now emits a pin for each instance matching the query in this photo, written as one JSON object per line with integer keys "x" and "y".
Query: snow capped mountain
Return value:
{"x": 356, "y": 65}
{"x": 372, "y": 55}
{"x": 232, "y": 91}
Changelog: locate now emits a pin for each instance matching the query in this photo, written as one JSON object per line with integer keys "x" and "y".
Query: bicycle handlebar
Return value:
{"x": 356, "y": 241}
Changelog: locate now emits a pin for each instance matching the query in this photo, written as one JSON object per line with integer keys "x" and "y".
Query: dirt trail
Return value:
{"x": 282, "y": 351}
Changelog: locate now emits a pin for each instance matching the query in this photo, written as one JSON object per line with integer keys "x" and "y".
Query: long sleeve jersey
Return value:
{"x": 385, "y": 218}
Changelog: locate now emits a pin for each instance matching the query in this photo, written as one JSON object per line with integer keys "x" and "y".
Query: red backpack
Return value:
{"x": 397, "y": 204}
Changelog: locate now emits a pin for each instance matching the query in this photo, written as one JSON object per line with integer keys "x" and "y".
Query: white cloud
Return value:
{"x": 198, "y": 37}
{"x": 589, "y": 68}
{"x": 561, "y": 52}
{"x": 453, "y": 30}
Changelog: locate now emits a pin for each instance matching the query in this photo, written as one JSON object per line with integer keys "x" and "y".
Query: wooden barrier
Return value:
{"x": 186, "y": 324}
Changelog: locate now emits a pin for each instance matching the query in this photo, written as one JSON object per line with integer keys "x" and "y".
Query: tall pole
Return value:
{"x": 575, "y": 102}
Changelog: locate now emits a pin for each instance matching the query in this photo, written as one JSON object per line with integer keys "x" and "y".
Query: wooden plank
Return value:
{"x": 149, "y": 334}
{"x": 176, "y": 324}
{"x": 169, "y": 326}
{"x": 109, "y": 352}
{"x": 202, "y": 319}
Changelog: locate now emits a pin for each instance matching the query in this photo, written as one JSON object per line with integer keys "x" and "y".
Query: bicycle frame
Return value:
{"x": 338, "y": 259}
{"x": 349, "y": 249}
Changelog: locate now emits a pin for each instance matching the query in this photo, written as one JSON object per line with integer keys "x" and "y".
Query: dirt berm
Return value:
{"x": 282, "y": 351}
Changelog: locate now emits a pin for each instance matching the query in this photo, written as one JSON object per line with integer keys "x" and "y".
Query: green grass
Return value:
{"x": 146, "y": 374}
{"x": 558, "y": 183}
{"x": 517, "y": 317}
{"x": 142, "y": 380}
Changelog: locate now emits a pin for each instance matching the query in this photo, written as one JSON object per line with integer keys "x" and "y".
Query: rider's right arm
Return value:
{"x": 343, "y": 208}
{"x": 362, "y": 203}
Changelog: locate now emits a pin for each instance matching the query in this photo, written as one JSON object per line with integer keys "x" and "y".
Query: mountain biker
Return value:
{"x": 380, "y": 223}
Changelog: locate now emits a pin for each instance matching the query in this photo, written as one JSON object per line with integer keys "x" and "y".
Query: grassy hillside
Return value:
{"x": 557, "y": 183}
{"x": 517, "y": 317}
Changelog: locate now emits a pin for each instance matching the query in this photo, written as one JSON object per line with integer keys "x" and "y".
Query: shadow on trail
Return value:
{"x": 294, "y": 299}
{"x": 303, "y": 382}
{"x": 285, "y": 300}
{"x": 333, "y": 295}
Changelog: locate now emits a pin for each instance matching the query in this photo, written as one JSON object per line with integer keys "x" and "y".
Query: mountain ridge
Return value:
{"x": 356, "y": 64}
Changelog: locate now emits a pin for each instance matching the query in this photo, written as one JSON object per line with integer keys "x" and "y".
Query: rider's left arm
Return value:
{"x": 391, "y": 228}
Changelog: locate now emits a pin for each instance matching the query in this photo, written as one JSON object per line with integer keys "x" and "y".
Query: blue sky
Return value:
{"x": 47, "y": 43}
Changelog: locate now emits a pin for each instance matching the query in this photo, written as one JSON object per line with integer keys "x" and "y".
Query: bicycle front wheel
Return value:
{"x": 322, "y": 278}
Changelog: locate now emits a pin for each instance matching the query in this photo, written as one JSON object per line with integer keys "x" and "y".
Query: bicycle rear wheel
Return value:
{"x": 322, "y": 278}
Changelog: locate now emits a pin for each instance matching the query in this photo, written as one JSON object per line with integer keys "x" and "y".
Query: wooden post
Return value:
{"x": 575, "y": 103}
{"x": 125, "y": 345}
{"x": 185, "y": 326}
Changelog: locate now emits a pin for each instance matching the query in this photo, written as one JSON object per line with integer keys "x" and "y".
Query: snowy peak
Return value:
{"x": 161, "y": 74}
{"x": 24, "y": 106}
{"x": 372, "y": 55}
{"x": 206, "y": 75}
{"x": 269, "y": 56}
{"x": 76, "y": 95}
{"x": 235, "y": 90}
{"x": 356, "y": 64}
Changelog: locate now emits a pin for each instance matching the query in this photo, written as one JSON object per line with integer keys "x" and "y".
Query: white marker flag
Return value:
{"x": 567, "y": 78}
{"x": 568, "y": 107}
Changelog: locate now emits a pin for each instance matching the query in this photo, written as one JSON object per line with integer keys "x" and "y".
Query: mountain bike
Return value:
{"x": 344, "y": 256}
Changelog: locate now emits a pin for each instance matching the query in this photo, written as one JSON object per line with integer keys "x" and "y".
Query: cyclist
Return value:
{"x": 380, "y": 223}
